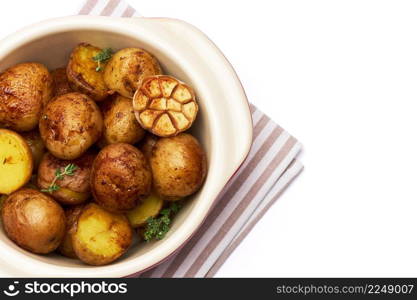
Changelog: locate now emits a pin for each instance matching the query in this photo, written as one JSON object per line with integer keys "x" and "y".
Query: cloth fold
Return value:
{"x": 269, "y": 168}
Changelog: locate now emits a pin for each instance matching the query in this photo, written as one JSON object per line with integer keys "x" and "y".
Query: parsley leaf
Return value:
{"x": 103, "y": 56}
{"x": 157, "y": 228}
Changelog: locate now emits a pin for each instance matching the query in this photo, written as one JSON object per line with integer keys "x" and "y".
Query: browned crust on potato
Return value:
{"x": 128, "y": 67}
{"x": 70, "y": 124}
{"x": 78, "y": 183}
{"x": 120, "y": 177}
{"x": 24, "y": 90}
{"x": 61, "y": 84}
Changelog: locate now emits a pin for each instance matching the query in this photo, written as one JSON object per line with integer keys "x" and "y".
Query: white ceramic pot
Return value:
{"x": 223, "y": 126}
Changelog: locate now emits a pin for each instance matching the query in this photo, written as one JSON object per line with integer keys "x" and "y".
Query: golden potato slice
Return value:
{"x": 128, "y": 67}
{"x": 149, "y": 207}
{"x": 100, "y": 237}
{"x": 120, "y": 124}
{"x": 33, "y": 220}
{"x": 82, "y": 72}
{"x": 16, "y": 162}
{"x": 165, "y": 106}
{"x": 71, "y": 213}
{"x": 24, "y": 91}
{"x": 61, "y": 84}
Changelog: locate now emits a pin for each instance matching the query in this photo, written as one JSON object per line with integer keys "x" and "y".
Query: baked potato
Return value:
{"x": 120, "y": 124}
{"x": 73, "y": 189}
{"x": 127, "y": 68}
{"x": 60, "y": 83}
{"x": 24, "y": 90}
{"x": 120, "y": 177}
{"x": 99, "y": 236}
{"x": 71, "y": 215}
{"x": 36, "y": 145}
{"x": 70, "y": 124}
{"x": 16, "y": 161}
{"x": 83, "y": 73}
{"x": 147, "y": 208}
{"x": 178, "y": 166}
{"x": 33, "y": 220}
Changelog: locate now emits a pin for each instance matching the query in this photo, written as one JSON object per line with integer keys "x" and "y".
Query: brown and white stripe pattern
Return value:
{"x": 269, "y": 168}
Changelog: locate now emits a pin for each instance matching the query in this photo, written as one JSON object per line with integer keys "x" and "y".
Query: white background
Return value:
{"x": 341, "y": 76}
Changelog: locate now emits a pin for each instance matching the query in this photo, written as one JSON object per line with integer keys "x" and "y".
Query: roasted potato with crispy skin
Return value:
{"x": 70, "y": 124}
{"x": 120, "y": 124}
{"x": 74, "y": 189}
{"x": 178, "y": 165}
{"x": 24, "y": 90}
{"x": 126, "y": 70}
{"x": 82, "y": 74}
{"x": 36, "y": 145}
{"x": 147, "y": 208}
{"x": 99, "y": 236}
{"x": 71, "y": 213}
{"x": 16, "y": 161}
{"x": 33, "y": 220}
{"x": 120, "y": 177}
{"x": 60, "y": 82}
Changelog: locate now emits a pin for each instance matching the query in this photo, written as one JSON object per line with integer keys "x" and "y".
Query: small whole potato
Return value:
{"x": 74, "y": 189}
{"x": 70, "y": 124}
{"x": 60, "y": 82}
{"x": 120, "y": 124}
{"x": 127, "y": 68}
{"x": 36, "y": 145}
{"x": 178, "y": 166}
{"x": 71, "y": 213}
{"x": 33, "y": 220}
{"x": 24, "y": 90}
{"x": 120, "y": 177}
{"x": 82, "y": 73}
{"x": 99, "y": 236}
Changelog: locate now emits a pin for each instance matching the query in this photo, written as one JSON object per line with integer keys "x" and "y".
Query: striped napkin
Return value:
{"x": 270, "y": 167}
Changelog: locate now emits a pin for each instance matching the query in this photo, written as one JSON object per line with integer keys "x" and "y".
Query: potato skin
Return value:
{"x": 82, "y": 74}
{"x": 33, "y": 220}
{"x": 120, "y": 177}
{"x": 74, "y": 189}
{"x": 100, "y": 237}
{"x": 71, "y": 213}
{"x": 120, "y": 124}
{"x": 36, "y": 145}
{"x": 60, "y": 82}
{"x": 178, "y": 166}
{"x": 24, "y": 90}
{"x": 70, "y": 124}
{"x": 127, "y": 68}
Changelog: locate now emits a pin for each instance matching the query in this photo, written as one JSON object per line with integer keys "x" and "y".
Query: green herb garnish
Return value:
{"x": 157, "y": 228}
{"x": 103, "y": 56}
{"x": 59, "y": 175}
